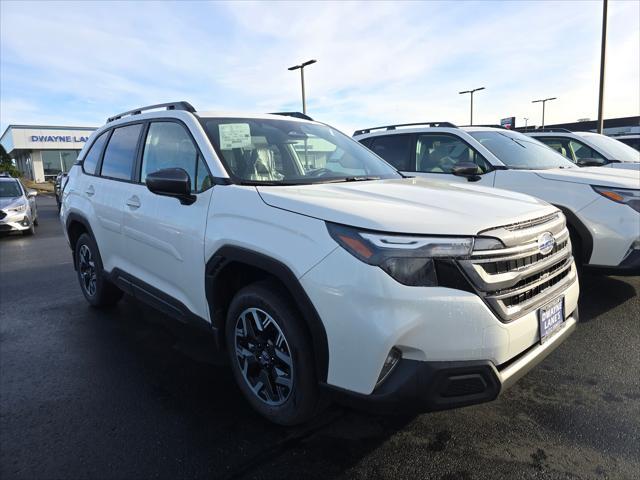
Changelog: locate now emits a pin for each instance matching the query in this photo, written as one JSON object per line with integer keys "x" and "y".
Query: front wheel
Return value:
{"x": 98, "y": 291}
{"x": 270, "y": 354}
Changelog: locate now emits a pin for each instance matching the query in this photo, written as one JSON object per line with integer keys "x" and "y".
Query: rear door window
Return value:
{"x": 395, "y": 149}
{"x": 560, "y": 145}
{"x": 120, "y": 155}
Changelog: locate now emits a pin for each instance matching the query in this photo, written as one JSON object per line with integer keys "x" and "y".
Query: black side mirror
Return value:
{"x": 591, "y": 162}
{"x": 466, "y": 169}
{"x": 171, "y": 182}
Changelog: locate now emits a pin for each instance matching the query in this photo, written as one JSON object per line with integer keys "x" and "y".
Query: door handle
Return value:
{"x": 133, "y": 202}
{"x": 90, "y": 191}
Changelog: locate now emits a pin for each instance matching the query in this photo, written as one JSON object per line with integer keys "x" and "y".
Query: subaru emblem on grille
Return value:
{"x": 546, "y": 242}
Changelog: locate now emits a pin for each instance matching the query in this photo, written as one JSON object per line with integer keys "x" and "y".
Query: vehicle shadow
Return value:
{"x": 599, "y": 294}
{"x": 189, "y": 377}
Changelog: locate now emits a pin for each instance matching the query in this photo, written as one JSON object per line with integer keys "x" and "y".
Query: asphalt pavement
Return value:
{"x": 129, "y": 394}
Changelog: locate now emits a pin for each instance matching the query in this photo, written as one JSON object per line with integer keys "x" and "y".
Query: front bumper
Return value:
{"x": 15, "y": 222}
{"x": 614, "y": 228}
{"x": 630, "y": 266}
{"x": 416, "y": 386}
{"x": 366, "y": 313}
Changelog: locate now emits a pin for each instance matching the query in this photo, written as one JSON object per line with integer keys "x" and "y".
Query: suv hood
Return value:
{"x": 606, "y": 177}
{"x": 410, "y": 205}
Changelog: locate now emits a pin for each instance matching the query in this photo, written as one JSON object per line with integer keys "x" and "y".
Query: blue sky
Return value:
{"x": 74, "y": 63}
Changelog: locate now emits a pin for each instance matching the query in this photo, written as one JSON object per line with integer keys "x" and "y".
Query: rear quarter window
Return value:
{"x": 92, "y": 157}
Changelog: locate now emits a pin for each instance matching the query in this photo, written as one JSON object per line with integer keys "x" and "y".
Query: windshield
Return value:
{"x": 614, "y": 149}
{"x": 516, "y": 150}
{"x": 284, "y": 152}
{"x": 10, "y": 189}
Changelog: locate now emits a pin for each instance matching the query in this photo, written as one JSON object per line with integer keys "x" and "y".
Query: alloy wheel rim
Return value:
{"x": 87, "y": 269}
{"x": 264, "y": 356}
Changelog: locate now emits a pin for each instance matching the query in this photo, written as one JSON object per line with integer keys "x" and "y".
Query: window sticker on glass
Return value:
{"x": 234, "y": 135}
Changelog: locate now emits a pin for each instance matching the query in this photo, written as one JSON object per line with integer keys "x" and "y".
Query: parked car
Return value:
{"x": 61, "y": 179}
{"x": 633, "y": 140}
{"x": 345, "y": 280}
{"x": 18, "y": 208}
{"x": 589, "y": 148}
{"x": 602, "y": 206}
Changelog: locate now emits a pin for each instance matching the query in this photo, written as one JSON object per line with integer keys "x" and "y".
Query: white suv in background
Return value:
{"x": 589, "y": 148}
{"x": 320, "y": 268}
{"x": 602, "y": 206}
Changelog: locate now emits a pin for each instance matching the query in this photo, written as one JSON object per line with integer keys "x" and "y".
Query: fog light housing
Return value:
{"x": 392, "y": 360}
{"x": 25, "y": 222}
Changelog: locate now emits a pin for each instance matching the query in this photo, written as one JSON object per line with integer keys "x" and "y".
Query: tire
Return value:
{"x": 279, "y": 355}
{"x": 35, "y": 220}
{"x": 98, "y": 291}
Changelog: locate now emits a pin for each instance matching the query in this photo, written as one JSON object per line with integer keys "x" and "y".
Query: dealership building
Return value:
{"x": 41, "y": 152}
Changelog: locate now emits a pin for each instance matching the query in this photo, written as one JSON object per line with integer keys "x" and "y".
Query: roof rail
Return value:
{"x": 169, "y": 106}
{"x": 553, "y": 129}
{"x": 303, "y": 116}
{"x": 393, "y": 127}
{"x": 488, "y": 125}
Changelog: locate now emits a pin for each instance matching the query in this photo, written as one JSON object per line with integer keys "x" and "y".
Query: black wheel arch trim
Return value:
{"x": 77, "y": 218}
{"x": 232, "y": 254}
{"x": 583, "y": 232}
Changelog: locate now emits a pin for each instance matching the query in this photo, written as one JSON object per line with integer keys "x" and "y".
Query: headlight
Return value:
{"x": 408, "y": 259}
{"x": 21, "y": 207}
{"x": 621, "y": 195}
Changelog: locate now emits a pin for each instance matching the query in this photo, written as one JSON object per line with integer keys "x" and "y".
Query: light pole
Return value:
{"x": 603, "y": 49}
{"x": 544, "y": 100}
{"x": 526, "y": 122}
{"x": 471, "y": 92}
{"x": 301, "y": 67}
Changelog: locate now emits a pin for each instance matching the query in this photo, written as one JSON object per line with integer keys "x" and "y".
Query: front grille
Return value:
{"x": 517, "y": 279}
{"x": 537, "y": 290}
{"x": 2, "y": 214}
{"x": 519, "y": 263}
{"x": 5, "y": 228}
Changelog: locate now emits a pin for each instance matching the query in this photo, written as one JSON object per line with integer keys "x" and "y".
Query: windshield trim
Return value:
{"x": 235, "y": 180}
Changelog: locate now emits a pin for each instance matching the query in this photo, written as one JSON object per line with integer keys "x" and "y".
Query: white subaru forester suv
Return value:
{"x": 322, "y": 271}
{"x": 602, "y": 205}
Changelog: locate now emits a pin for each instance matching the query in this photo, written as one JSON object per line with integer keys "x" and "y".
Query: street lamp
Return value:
{"x": 526, "y": 122}
{"x": 471, "y": 92}
{"x": 301, "y": 67}
{"x": 603, "y": 51}
{"x": 544, "y": 100}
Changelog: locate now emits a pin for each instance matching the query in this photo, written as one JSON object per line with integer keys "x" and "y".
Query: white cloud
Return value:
{"x": 377, "y": 62}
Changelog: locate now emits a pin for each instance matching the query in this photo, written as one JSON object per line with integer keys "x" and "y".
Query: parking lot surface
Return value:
{"x": 127, "y": 393}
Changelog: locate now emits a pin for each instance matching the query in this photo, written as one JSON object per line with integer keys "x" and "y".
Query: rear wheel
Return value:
{"x": 98, "y": 291}
{"x": 270, "y": 354}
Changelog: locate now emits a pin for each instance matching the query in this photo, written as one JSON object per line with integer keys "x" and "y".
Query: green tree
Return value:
{"x": 6, "y": 164}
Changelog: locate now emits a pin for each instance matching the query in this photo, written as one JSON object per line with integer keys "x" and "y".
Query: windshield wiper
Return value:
{"x": 349, "y": 179}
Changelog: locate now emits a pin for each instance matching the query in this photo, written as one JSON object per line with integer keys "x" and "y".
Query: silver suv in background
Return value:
{"x": 18, "y": 209}
{"x": 589, "y": 149}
